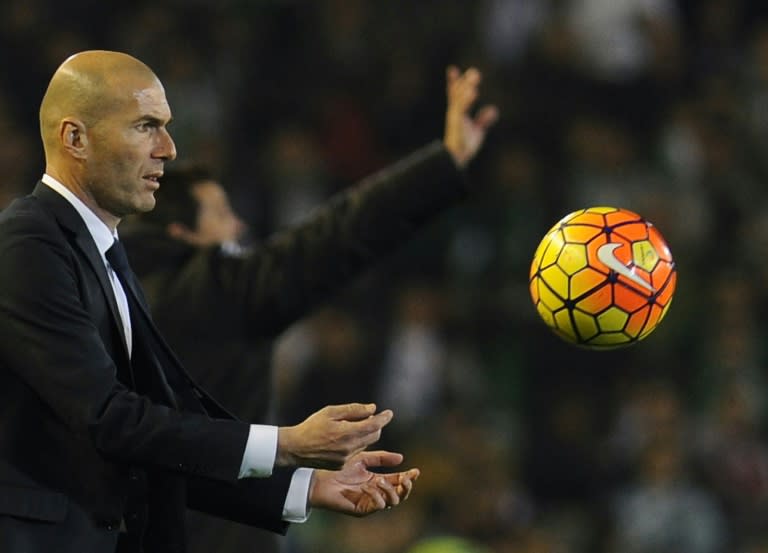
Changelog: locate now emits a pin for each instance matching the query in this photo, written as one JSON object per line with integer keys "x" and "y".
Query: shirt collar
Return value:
{"x": 101, "y": 233}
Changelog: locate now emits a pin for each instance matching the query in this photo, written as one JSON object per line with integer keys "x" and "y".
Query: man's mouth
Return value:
{"x": 154, "y": 177}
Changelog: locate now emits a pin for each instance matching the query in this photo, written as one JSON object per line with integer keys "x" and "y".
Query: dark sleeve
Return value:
{"x": 252, "y": 501}
{"x": 296, "y": 269}
{"x": 50, "y": 340}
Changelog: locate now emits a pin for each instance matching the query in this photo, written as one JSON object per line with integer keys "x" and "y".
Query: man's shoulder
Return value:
{"x": 27, "y": 217}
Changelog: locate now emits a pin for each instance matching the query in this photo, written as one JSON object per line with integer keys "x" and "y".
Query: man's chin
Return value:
{"x": 147, "y": 205}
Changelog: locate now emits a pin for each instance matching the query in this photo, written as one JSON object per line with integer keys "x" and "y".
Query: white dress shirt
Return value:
{"x": 261, "y": 447}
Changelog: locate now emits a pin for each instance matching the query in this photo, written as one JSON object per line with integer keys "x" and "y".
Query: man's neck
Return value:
{"x": 75, "y": 185}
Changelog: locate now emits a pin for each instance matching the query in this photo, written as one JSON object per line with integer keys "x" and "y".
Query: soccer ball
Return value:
{"x": 602, "y": 278}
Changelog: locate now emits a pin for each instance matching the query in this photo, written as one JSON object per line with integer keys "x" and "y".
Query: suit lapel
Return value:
{"x": 171, "y": 369}
{"x": 70, "y": 220}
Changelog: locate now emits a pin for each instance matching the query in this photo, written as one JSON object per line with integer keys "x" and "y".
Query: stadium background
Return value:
{"x": 526, "y": 444}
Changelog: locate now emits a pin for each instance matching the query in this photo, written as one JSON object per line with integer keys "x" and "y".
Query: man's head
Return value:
{"x": 103, "y": 124}
{"x": 193, "y": 207}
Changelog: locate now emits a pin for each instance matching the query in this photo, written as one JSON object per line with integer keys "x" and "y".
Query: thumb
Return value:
{"x": 487, "y": 117}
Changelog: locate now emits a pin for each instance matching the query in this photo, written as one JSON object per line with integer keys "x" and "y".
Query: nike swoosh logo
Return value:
{"x": 608, "y": 258}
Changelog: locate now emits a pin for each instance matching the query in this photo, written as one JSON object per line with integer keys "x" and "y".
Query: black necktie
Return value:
{"x": 118, "y": 259}
{"x": 145, "y": 333}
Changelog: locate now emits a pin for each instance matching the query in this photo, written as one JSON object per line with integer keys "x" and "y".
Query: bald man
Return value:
{"x": 104, "y": 437}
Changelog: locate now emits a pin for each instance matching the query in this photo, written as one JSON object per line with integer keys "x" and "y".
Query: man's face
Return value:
{"x": 217, "y": 223}
{"x": 128, "y": 148}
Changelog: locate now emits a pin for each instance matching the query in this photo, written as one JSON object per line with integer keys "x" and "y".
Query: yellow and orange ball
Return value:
{"x": 602, "y": 278}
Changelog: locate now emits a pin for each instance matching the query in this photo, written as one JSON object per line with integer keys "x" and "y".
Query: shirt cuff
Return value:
{"x": 260, "y": 452}
{"x": 296, "y": 507}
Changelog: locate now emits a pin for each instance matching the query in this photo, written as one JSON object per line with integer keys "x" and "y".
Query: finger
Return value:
{"x": 451, "y": 76}
{"x": 486, "y": 117}
{"x": 406, "y": 480}
{"x": 351, "y": 411}
{"x": 470, "y": 81}
{"x": 404, "y": 488}
{"x": 377, "y": 497}
{"x": 372, "y": 424}
{"x": 472, "y": 77}
{"x": 381, "y": 458}
{"x": 388, "y": 488}
{"x": 465, "y": 90}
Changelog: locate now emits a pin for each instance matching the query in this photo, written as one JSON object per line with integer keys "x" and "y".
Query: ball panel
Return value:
{"x": 621, "y": 216}
{"x": 653, "y": 320}
{"x": 601, "y": 209}
{"x": 572, "y": 258}
{"x": 570, "y": 217}
{"x": 644, "y": 255}
{"x": 629, "y": 299}
{"x": 664, "y": 310}
{"x": 659, "y": 244}
{"x": 637, "y": 322}
{"x": 545, "y": 314}
{"x": 662, "y": 274}
{"x": 612, "y": 319}
{"x": 580, "y": 234}
{"x": 592, "y": 247}
{"x": 563, "y": 322}
{"x": 533, "y": 287}
{"x": 612, "y": 339}
{"x": 556, "y": 279}
{"x": 586, "y": 324}
{"x": 553, "y": 244}
{"x": 665, "y": 294}
{"x": 550, "y": 299}
{"x": 597, "y": 301}
{"x": 631, "y": 232}
{"x": 584, "y": 281}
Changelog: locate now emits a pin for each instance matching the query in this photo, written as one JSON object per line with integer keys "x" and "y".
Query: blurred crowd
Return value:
{"x": 526, "y": 444}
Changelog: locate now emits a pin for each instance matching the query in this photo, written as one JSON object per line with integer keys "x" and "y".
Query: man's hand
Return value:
{"x": 464, "y": 134}
{"x": 354, "y": 490}
{"x": 329, "y": 437}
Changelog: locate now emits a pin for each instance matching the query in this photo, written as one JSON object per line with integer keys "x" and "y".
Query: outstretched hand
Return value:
{"x": 355, "y": 490}
{"x": 464, "y": 133}
{"x": 330, "y": 436}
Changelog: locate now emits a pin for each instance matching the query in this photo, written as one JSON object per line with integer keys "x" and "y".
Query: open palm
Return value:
{"x": 355, "y": 490}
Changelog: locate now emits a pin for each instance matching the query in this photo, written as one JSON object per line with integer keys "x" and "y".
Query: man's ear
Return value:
{"x": 180, "y": 231}
{"x": 74, "y": 137}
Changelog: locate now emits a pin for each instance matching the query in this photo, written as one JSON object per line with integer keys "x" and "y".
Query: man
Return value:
{"x": 206, "y": 291}
{"x": 104, "y": 438}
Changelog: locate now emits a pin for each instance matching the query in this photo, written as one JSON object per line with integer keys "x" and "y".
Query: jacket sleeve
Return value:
{"x": 49, "y": 301}
{"x": 296, "y": 269}
{"x": 255, "y": 502}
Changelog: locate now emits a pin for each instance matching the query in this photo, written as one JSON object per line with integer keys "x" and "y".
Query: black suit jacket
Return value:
{"x": 80, "y": 450}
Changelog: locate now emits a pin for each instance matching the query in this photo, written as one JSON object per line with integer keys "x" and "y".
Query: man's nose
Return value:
{"x": 167, "y": 147}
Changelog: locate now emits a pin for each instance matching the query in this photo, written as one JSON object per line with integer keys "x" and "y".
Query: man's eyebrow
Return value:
{"x": 154, "y": 120}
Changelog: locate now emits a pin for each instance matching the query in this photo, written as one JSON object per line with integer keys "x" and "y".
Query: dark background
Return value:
{"x": 526, "y": 444}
